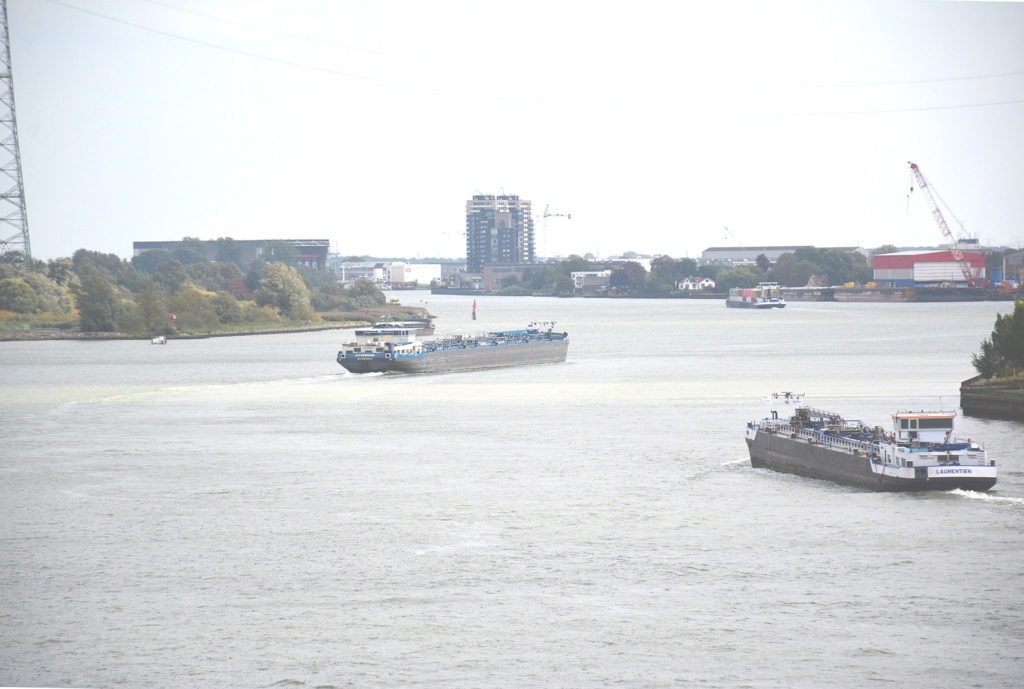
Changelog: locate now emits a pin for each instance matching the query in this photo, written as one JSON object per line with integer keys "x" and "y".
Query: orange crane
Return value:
{"x": 954, "y": 246}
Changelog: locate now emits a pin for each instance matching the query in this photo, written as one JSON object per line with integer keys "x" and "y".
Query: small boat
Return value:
{"x": 159, "y": 339}
{"x": 767, "y": 295}
{"x": 396, "y": 349}
{"x": 919, "y": 453}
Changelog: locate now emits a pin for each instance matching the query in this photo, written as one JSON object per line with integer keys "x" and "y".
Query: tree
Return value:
{"x": 280, "y": 251}
{"x": 282, "y": 287}
{"x": 148, "y": 261}
{"x": 170, "y": 276}
{"x": 553, "y": 278}
{"x": 574, "y": 264}
{"x": 61, "y": 271}
{"x": 987, "y": 362}
{"x": 628, "y": 275}
{"x": 366, "y": 294}
{"x": 789, "y": 271}
{"x": 193, "y": 309}
{"x": 18, "y": 296}
{"x": 152, "y": 309}
{"x": 667, "y": 272}
{"x": 747, "y": 275}
{"x": 229, "y": 251}
{"x": 1005, "y": 348}
{"x": 86, "y": 262}
{"x": 15, "y": 258}
{"x": 97, "y": 303}
{"x": 213, "y": 275}
{"x": 52, "y": 297}
{"x": 192, "y": 250}
{"x": 838, "y": 266}
{"x": 238, "y": 289}
{"x": 227, "y": 308}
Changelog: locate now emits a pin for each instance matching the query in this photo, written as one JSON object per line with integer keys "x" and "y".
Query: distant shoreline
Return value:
{"x": 41, "y": 336}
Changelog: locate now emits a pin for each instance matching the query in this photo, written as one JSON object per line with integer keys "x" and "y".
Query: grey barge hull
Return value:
{"x": 470, "y": 359}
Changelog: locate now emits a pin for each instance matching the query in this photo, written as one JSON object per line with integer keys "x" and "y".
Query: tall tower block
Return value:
{"x": 13, "y": 219}
{"x": 499, "y": 229}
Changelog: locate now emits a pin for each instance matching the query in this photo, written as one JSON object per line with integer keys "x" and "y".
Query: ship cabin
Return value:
{"x": 381, "y": 338}
{"x": 922, "y": 427}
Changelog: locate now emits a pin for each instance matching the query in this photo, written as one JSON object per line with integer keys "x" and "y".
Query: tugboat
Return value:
{"x": 920, "y": 453}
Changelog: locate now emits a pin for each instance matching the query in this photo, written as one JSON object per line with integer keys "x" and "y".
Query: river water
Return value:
{"x": 240, "y": 512}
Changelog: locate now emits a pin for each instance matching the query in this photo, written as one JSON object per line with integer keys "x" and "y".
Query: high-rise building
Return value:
{"x": 499, "y": 230}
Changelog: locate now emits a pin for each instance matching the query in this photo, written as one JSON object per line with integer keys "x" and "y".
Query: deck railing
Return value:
{"x": 819, "y": 436}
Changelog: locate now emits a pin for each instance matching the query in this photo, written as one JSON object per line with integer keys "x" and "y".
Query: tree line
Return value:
{"x": 794, "y": 269}
{"x": 1002, "y": 353}
{"x": 791, "y": 269}
{"x": 163, "y": 292}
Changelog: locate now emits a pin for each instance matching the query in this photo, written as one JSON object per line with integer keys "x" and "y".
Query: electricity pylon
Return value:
{"x": 12, "y": 191}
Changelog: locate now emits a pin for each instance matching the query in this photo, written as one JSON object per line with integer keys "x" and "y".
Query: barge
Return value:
{"x": 919, "y": 453}
{"x": 397, "y": 349}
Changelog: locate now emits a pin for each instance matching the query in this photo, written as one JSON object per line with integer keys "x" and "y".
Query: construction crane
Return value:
{"x": 954, "y": 246}
{"x": 548, "y": 213}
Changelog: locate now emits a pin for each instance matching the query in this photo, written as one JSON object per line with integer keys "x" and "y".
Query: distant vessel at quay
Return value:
{"x": 920, "y": 453}
{"x": 901, "y": 294}
{"x": 419, "y": 326}
{"x": 394, "y": 348}
{"x": 767, "y": 295}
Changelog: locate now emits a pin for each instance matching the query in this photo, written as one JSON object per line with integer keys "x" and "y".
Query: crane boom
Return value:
{"x": 954, "y": 246}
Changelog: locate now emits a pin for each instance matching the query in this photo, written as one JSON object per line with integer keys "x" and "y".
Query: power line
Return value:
{"x": 216, "y": 46}
{"x": 362, "y": 77}
{"x": 265, "y": 29}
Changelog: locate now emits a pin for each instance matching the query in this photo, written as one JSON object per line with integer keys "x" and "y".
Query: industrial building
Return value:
{"x": 1013, "y": 267}
{"x": 499, "y": 230}
{"x": 311, "y": 252}
{"x": 389, "y": 274}
{"x": 928, "y": 268}
{"x": 739, "y": 255}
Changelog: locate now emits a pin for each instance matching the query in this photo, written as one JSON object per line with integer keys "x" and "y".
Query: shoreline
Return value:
{"x": 41, "y": 336}
{"x": 981, "y": 399}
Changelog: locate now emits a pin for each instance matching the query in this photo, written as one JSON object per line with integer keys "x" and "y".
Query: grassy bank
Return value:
{"x": 28, "y": 329}
{"x": 997, "y": 398}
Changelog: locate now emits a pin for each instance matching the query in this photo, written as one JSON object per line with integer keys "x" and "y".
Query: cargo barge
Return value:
{"x": 920, "y": 453}
{"x": 396, "y": 349}
{"x": 767, "y": 295}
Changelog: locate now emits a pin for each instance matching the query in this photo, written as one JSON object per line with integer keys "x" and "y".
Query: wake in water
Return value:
{"x": 998, "y": 499}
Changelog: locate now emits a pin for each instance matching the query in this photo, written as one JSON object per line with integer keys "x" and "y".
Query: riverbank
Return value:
{"x": 33, "y": 335}
{"x": 336, "y": 321}
{"x": 992, "y": 400}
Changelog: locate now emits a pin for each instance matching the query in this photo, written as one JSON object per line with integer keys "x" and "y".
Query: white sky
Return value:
{"x": 655, "y": 124}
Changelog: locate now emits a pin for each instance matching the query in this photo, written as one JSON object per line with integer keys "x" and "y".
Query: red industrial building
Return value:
{"x": 928, "y": 268}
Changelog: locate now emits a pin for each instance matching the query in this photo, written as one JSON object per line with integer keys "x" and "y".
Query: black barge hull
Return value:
{"x": 782, "y": 453}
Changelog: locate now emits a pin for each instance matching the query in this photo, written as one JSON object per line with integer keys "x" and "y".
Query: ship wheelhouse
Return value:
{"x": 922, "y": 427}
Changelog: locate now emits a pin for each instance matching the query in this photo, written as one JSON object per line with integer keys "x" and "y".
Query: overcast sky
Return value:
{"x": 657, "y": 125}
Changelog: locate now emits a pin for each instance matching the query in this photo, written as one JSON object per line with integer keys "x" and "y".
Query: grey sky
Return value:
{"x": 371, "y": 123}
